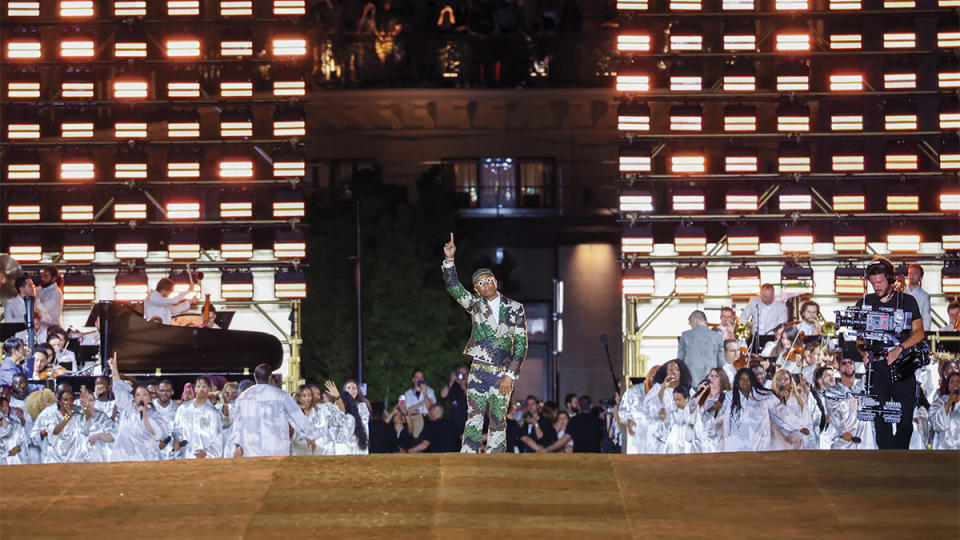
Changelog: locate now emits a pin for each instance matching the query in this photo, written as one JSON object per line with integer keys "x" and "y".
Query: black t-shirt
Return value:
{"x": 442, "y": 435}
{"x": 587, "y": 433}
{"x": 458, "y": 405}
{"x": 899, "y": 300}
{"x": 383, "y": 438}
{"x": 546, "y": 428}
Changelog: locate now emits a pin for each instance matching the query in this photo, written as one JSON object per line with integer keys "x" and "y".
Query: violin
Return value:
{"x": 51, "y": 372}
{"x": 795, "y": 352}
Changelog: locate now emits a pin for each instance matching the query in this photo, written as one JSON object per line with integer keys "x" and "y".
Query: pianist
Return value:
{"x": 160, "y": 307}
{"x": 15, "y": 310}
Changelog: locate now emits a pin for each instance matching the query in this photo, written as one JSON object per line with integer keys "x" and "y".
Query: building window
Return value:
{"x": 498, "y": 183}
{"x": 501, "y": 183}
{"x": 536, "y": 183}
{"x": 462, "y": 175}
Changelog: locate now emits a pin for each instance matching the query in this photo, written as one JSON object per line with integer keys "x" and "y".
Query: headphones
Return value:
{"x": 885, "y": 265}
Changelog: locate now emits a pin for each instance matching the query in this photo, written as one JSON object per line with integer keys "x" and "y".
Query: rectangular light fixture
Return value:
{"x": 23, "y": 171}
{"x": 236, "y": 209}
{"x": 740, "y": 123}
{"x": 130, "y": 89}
{"x": 22, "y": 49}
{"x": 900, "y": 241}
{"x": 949, "y": 39}
{"x": 950, "y": 241}
{"x": 130, "y": 49}
{"x": 633, "y": 83}
{"x": 796, "y": 280}
{"x": 688, "y": 202}
{"x": 23, "y": 211}
{"x": 236, "y": 129}
{"x": 236, "y": 168}
{"x": 183, "y": 129}
{"x": 289, "y": 7}
{"x": 743, "y": 240}
{"x": 903, "y": 202}
{"x": 183, "y": 251}
{"x": 73, "y": 130}
{"x": 289, "y": 169}
{"x": 686, "y": 122}
{"x": 183, "y": 209}
{"x": 236, "y": 89}
{"x": 737, "y": 5}
{"x": 949, "y": 120}
{"x": 289, "y": 88}
{"x": 290, "y": 284}
{"x": 900, "y": 122}
{"x": 899, "y": 40}
{"x": 950, "y": 280}
{"x": 635, "y": 163}
{"x": 791, "y": 5}
{"x": 23, "y": 130}
{"x": 849, "y": 242}
{"x": 849, "y": 281}
{"x": 848, "y": 82}
{"x": 739, "y": 42}
{"x": 795, "y": 201}
{"x": 632, "y": 5}
{"x": 236, "y": 286}
{"x": 899, "y": 81}
{"x": 688, "y": 163}
{"x": 183, "y": 89}
{"x": 846, "y": 42}
{"x": 236, "y": 8}
{"x": 76, "y": 212}
{"x": 948, "y": 78}
{"x": 690, "y": 240}
{"x": 130, "y": 130}
{"x": 288, "y": 46}
{"x": 740, "y": 164}
{"x": 847, "y": 163}
{"x": 793, "y": 83}
{"x": 846, "y": 122}
{"x": 77, "y": 170}
{"x": 950, "y": 201}
{"x": 690, "y": 281}
{"x": 76, "y": 89}
{"x": 686, "y": 83}
{"x": 636, "y": 241}
{"x": 793, "y": 164}
{"x": 236, "y": 248}
{"x": 79, "y": 288}
{"x": 685, "y": 5}
{"x": 23, "y": 8}
{"x": 130, "y": 287}
{"x": 130, "y": 249}
{"x": 791, "y": 123}
{"x": 639, "y": 281}
{"x": 236, "y": 48}
{"x": 739, "y": 83}
{"x": 288, "y": 209}
{"x": 743, "y": 281}
{"x": 849, "y": 202}
{"x": 183, "y": 169}
{"x": 289, "y": 246}
{"x": 77, "y": 48}
{"x": 289, "y": 128}
{"x": 23, "y": 89}
{"x": 686, "y": 43}
{"x": 26, "y": 250}
{"x": 796, "y": 241}
{"x": 183, "y": 8}
{"x": 793, "y": 42}
{"x": 130, "y": 170}
{"x": 633, "y": 42}
{"x": 633, "y": 123}
{"x": 636, "y": 201}
{"x": 899, "y": 4}
{"x": 126, "y": 211}
{"x": 130, "y": 8}
{"x": 183, "y": 48}
{"x": 845, "y": 5}
{"x": 901, "y": 162}
{"x": 741, "y": 201}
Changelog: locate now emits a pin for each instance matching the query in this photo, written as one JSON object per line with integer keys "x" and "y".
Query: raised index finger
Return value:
{"x": 451, "y": 238}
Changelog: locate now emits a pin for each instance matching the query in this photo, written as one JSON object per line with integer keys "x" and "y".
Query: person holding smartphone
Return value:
{"x": 945, "y": 416}
{"x": 456, "y": 392}
{"x": 417, "y": 401}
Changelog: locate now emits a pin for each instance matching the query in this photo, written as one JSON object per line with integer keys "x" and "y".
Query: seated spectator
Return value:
{"x": 585, "y": 430}
{"x": 540, "y": 431}
{"x": 438, "y": 434}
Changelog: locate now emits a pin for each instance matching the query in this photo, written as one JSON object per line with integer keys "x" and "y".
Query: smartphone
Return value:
{"x": 401, "y": 399}
{"x": 519, "y": 404}
{"x": 460, "y": 376}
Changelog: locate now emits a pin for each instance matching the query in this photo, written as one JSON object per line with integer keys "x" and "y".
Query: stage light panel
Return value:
{"x": 23, "y": 89}
{"x": 949, "y": 160}
{"x": 949, "y": 117}
{"x": 900, "y": 157}
{"x": 290, "y": 284}
{"x": 686, "y": 118}
{"x": 845, "y": 5}
{"x": 130, "y": 287}
{"x": 76, "y": 212}
{"x": 950, "y": 200}
{"x": 737, "y": 5}
{"x": 130, "y": 48}
{"x": 787, "y": 164}
{"x": 741, "y": 201}
{"x": 24, "y": 169}
{"x": 903, "y": 241}
{"x": 899, "y": 4}
{"x": 240, "y": 128}
{"x": 77, "y": 89}
{"x": 229, "y": 89}
{"x": 239, "y": 47}
{"x": 899, "y": 40}
{"x": 948, "y": 39}
{"x": 289, "y": 168}
{"x": 686, "y": 42}
{"x": 688, "y": 163}
{"x": 849, "y": 240}
{"x": 743, "y": 281}
{"x": 690, "y": 240}
{"x": 129, "y": 210}
{"x": 130, "y": 130}
{"x": 633, "y": 42}
{"x": 796, "y": 240}
{"x": 950, "y": 241}
{"x": 686, "y": 83}
{"x": 948, "y": 75}
{"x": 846, "y": 82}
{"x": 130, "y": 8}
{"x": 23, "y": 130}
{"x": 236, "y": 285}
{"x": 26, "y": 248}
{"x": 289, "y": 128}
{"x": 948, "y": 3}
{"x": 739, "y": 83}
{"x": 685, "y": 5}
{"x": 77, "y": 169}
{"x": 183, "y": 209}
{"x": 791, "y": 122}
{"x": 183, "y": 8}
{"x": 131, "y": 170}
{"x": 183, "y": 169}
{"x": 289, "y": 7}
{"x": 236, "y": 246}
{"x": 294, "y": 87}
{"x": 847, "y": 162}
{"x": 130, "y": 88}
{"x": 185, "y": 47}
{"x": 740, "y": 119}
{"x": 75, "y": 48}
{"x": 846, "y": 41}
{"x": 743, "y": 240}
{"x": 236, "y": 209}
{"x": 796, "y": 280}
{"x": 690, "y": 281}
{"x": 639, "y": 281}
{"x": 636, "y": 200}
{"x": 739, "y": 42}
{"x": 791, "y": 5}
{"x": 633, "y": 117}
{"x": 900, "y": 122}
{"x": 740, "y": 163}
{"x": 688, "y": 202}
{"x": 79, "y": 288}
{"x": 129, "y": 246}
{"x": 288, "y": 46}
{"x": 793, "y": 200}
{"x": 634, "y": 160}
{"x": 636, "y": 241}
{"x": 950, "y": 279}
{"x": 23, "y": 8}
{"x": 846, "y": 122}
{"x": 849, "y": 201}
{"x": 76, "y": 129}
{"x": 289, "y": 245}
{"x": 24, "y": 49}
{"x": 633, "y": 83}
{"x": 183, "y": 129}
{"x": 288, "y": 205}
{"x": 236, "y": 8}
{"x": 23, "y": 211}
{"x": 183, "y": 246}
{"x": 903, "y": 202}
{"x": 632, "y": 5}
{"x": 899, "y": 80}
{"x": 849, "y": 281}
{"x": 236, "y": 167}
{"x": 793, "y": 41}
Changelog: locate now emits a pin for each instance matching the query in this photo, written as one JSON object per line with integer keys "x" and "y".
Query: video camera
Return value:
{"x": 880, "y": 327}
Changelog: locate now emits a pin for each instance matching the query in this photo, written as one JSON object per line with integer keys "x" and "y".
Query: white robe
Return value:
{"x": 841, "y": 406}
{"x": 227, "y": 434}
{"x": 72, "y": 445}
{"x": 921, "y": 429}
{"x": 299, "y": 443}
{"x": 748, "y": 430}
{"x": 327, "y": 420}
{"x": 708, "y": 430}
{"x": 946, "y": 425}
{"x": 788, "y": 419}
{"x": 133, "y": 441}
{"x": 12, "y": 435}
{"x": 52, "y": 299}
{"x": 680, "y": 431}
{"x": 656, "y": 428}
{"x": 263, "y": 419}
{"x": 169, "y": 413}
{"x": 200, "y": 427}
{"x": 631, "y": 408}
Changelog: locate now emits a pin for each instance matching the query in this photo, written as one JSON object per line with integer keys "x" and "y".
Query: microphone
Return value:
{"x": 141, "y": 404}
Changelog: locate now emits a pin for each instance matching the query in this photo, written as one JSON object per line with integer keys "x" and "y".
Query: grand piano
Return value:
{"x": 145, "y": 347}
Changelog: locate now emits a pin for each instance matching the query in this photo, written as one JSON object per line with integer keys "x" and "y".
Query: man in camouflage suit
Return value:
{"x": 497, "y": 345}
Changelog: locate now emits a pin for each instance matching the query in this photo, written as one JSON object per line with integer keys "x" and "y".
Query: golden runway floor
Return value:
{"x": 912, "y": 495}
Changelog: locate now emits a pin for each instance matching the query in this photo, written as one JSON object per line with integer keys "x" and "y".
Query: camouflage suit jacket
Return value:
{"x": 502, "y": 344}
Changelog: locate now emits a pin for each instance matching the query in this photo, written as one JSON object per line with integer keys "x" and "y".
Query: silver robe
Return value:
{"x": 299, "y": 443}
{"x": 72, "y": 445}
{"x": 657, "y": 429}
{"x": 133, "y": 441}
{"x": 327, "y": 421}
{"x": 12, "y": 435}
{"x": 169, "y": 413}
{"x": 227, "y": 433}
{"x": 201, "y": 427}
{"x": 680, "y": 429}
{"x": 631, "y": 408}
{"x": 788, "y": 419}
{"x": 841, "y": 406}
{"x": 708, "y": 430}
{"x": 946, "y": 425}
{"x": 748, "y": 430}
{"x": 263, "y": 419}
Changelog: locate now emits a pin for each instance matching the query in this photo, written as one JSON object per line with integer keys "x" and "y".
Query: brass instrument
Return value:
{"x": 742, "y": 332}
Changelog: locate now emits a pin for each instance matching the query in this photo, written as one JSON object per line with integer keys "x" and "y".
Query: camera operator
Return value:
{"x": 882, "y": 276}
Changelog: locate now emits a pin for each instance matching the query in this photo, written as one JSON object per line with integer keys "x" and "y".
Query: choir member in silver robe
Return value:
{"x": 140, "y": 427}
{"x": 746, "y": 422}
{"x": 658, "y": 403}
{"x": 329, "y": 421}
{"x": 680, "y": 423}
{"x": 198, "y": 424}
{"x": 630, "y": 414}
{"x": 351, "y": 387}
{"x": 103, "y": 401}
{"x": 708, "y": 429}
{"x": 812, "y": 411}
{"x": 300, "y": 445}
{"x": 228, "y": 409}
{"x": 264, "y": 416}
{"x": 97, "y": 431}
{"x": 13, "y": 438}
{"x": 945, "y": 416}
{"x": 850, "y": 433}
{"x": 48, "y": 430}
{"x": 790, "y": 422}
{"x": 167, "y": 407}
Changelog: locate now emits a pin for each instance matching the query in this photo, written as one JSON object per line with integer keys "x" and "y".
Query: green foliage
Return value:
{"x": 409, "y": 320}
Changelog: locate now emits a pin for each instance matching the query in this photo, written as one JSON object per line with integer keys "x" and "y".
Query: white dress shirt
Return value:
{"x": 15, "y": 310}
{"x": 52, "y": 299}
{"x": 158, "y": 305}
{"x": 412, "y": 398}
{"x": 765, "y": 317}
{"x": 923, "y": 301}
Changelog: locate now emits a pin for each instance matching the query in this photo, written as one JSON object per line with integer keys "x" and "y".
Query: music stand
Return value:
{"x": 10, "y": 329}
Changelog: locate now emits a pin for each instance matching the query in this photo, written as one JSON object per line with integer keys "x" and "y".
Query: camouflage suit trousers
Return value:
{"x": 485, "y": 400}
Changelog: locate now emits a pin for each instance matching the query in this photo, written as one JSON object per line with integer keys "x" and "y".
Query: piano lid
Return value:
{"x": 143, "y": 346}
